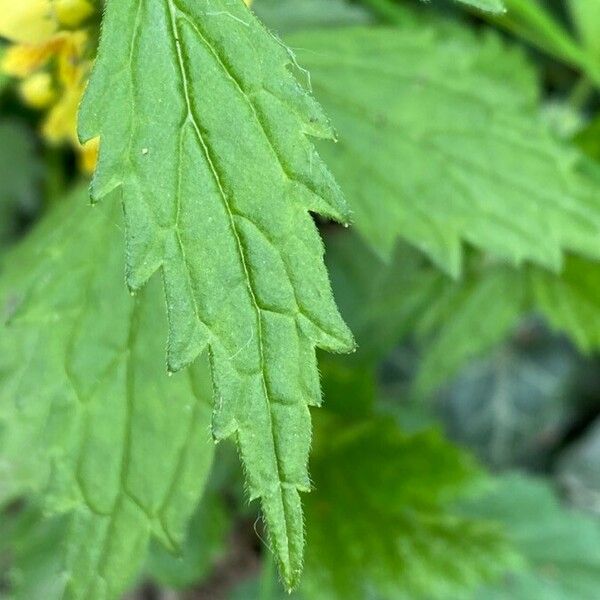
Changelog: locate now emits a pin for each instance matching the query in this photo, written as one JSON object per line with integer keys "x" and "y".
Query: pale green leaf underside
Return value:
{"x": 442, "y": 144}
{"x": 204, "y": 134}
{"x": 88, "y": 417}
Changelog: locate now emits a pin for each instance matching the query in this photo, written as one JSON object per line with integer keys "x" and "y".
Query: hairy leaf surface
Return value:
{"x": 204, "y": 134}
{"x": 442, "y": 145}
{"x": 88, "y": 417}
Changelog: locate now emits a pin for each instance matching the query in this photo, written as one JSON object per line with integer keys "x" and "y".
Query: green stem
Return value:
{"x": 531, "y": 22}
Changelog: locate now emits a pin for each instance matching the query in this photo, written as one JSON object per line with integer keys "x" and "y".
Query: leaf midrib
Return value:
{"x": 173, "y": 9}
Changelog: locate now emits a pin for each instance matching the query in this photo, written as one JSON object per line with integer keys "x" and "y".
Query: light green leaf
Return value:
{"x": 465, "y": 320}
{"x": 284, "y": 16}
{"x": 454, "y": 322}
{"x": 29, "y": 561}
{"x": 205, "y": 139}
{"x": 561, "y": 546}
{"x": 586, "y": 17}
{"x": 442, "y": 145}
{"x": 381, "y": 300}
{"x": 571, "y": 302}
{"x": 493, "y": 6}
{"x": 372, "y": 478}
{"x": 204, "y": 546}
{"x": 88, "y": 417}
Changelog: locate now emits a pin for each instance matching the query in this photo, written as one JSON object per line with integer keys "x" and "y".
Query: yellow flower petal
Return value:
{"x": 60, "y": 123}
{"x": 72, "y": 13}
{"x": 27, "y": 21}
{"x": 23, "y": 60}
{"x": 88, "y": 155}
{"x": 37, "y": 90}
{"x": 70, "y": 65}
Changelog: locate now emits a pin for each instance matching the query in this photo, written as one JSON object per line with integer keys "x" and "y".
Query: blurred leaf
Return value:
{"x": 88, "y": 416}
{"x": 29, "y": 554}
{"x": 349, "y": 388}
{"x": 19, "y": 175}
{"x": 512, "y": 406}
{"x": 589, "y": 139}
{"x": 586, "y": 18}
{"x": 579, "y": 470}
{"x": 380, "y": 518}
{"x": 494, "y": 6}
{"x": 204, "y": 544}
{"x": 381, "y": 300}
{"x": 532, "y": 21}
{"x": 561, "y": 546}
{"x": 465, "y": 320}
{"x": 284, "y": 16}
{"x": 443, "y": 144}
{"x": 571, "y": 302}
{"x": 454, "y": 322}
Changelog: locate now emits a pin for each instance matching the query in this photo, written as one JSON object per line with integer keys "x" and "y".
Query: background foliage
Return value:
{"x": 457, "y": 452}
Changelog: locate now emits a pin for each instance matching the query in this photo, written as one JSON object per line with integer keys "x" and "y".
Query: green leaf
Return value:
{"x": 205, "y": 139}
{"x": 512, "y": 405}
{"x": 589, "y": 140}
{"x": 284, "y": 16}
{"x": 205, "y": 544}
{"x": 29, "y": 565}
{"x": 571, "y": 302}
{"x": 493, "y": 6}
{"x": 442, "y": 144}
{"x": 454, "y": 322}
{"x": 586, "y": 17}
{"x": 465, "y": 320}
{"x": 88, "y": 417}
{"x": 371, "y": 478}
{"x": 381, "y": 300}
{"x": 561, "y": 546}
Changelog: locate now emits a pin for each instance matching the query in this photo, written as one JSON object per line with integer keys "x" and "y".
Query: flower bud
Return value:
{"x": 37, "y": 90}
{"x": 72, "y": 13}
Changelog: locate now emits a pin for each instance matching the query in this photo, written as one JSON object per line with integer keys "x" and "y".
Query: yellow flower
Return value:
{"x": 38, "y": 90}
{"x": 27, "y": 21}
{"x": 24, "y": 59}
{"x": 52, "y": 62}
{"x": 88, "y": 155}
{"x": 72, "y": 13}
{"x": 35, "y": 21}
